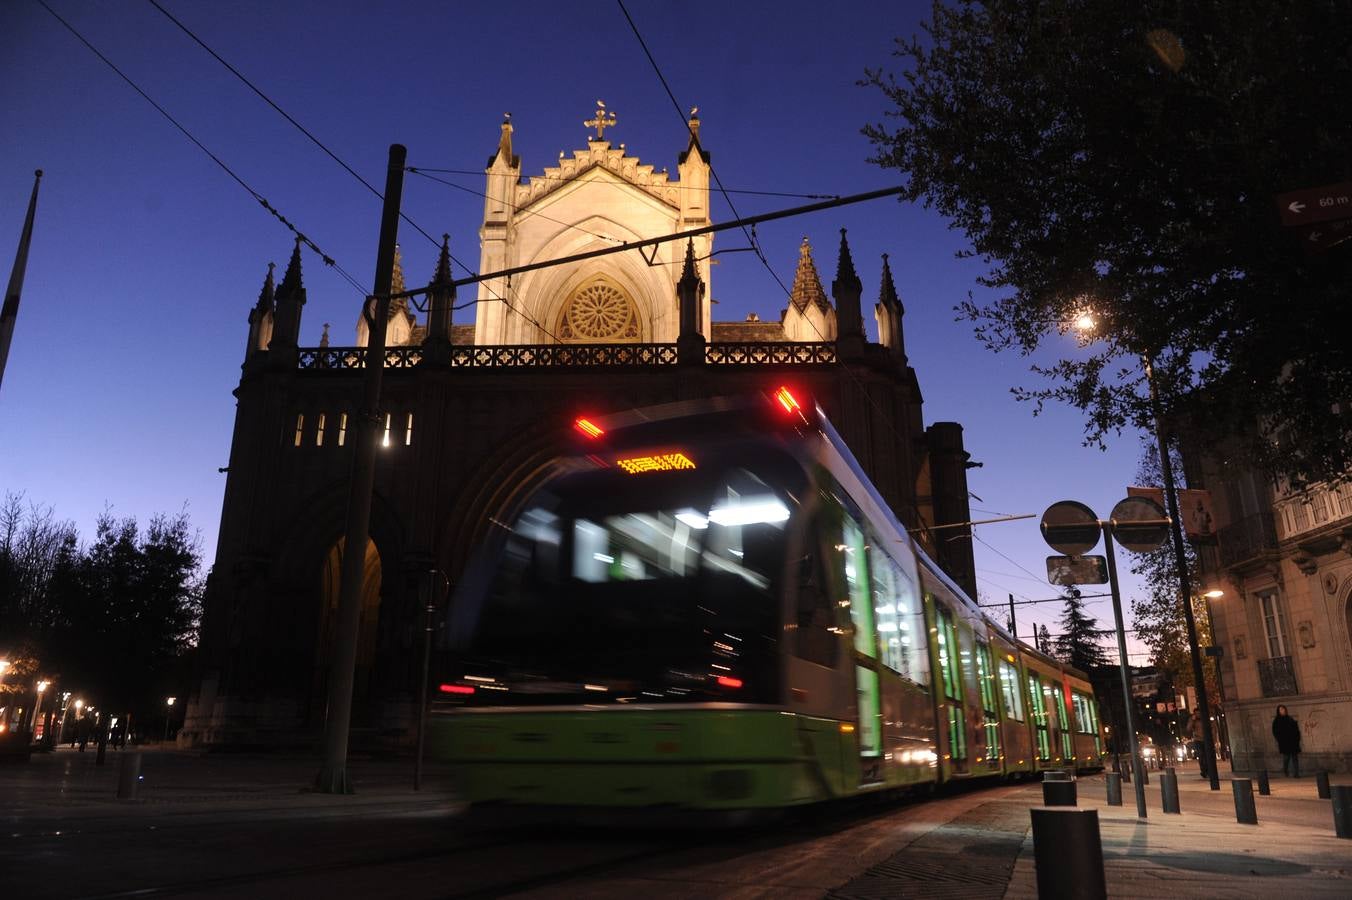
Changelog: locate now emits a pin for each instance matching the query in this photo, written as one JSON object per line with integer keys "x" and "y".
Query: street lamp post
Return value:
{"x": 1184, "y": 582}
{"x": 37, "y": 709}
{"x": 168, "y": 712}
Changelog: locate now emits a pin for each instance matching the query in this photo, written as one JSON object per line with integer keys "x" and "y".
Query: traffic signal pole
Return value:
{"x": 1137, "y": 772}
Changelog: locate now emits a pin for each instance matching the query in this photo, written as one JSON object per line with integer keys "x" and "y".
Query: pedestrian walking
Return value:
{"x": 1196, "y": 741}
{"x": 1287, "y": 732}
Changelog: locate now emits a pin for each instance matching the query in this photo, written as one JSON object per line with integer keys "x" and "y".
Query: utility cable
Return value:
{"x": 328, "y": 260}
{"x": 515, "y": 209}
{"x": 320, "y": 144}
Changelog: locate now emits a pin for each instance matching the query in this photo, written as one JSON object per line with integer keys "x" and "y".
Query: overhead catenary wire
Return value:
{"x": 351, "y": 171}
{"x": 262, "y": 201}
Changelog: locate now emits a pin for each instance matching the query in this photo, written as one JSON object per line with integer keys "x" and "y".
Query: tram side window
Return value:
{"x": 948, "y": 653}
{"x": 1009, "y": 686}
{"x": 815, "y": 637}
{"x": 900, "y": 622}
{"x": 856, "y": 579}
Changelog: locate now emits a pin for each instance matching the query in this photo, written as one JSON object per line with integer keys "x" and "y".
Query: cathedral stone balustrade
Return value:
{"x": 759, "y": 353}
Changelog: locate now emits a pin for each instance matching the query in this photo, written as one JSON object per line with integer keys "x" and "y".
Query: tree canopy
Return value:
{"x": 110, "y": 619}
{"x": 1078, "y": 643}
{"x": 1124, "y": 159}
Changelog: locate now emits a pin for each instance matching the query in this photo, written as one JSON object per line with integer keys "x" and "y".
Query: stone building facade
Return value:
{"x": 473, "y": 416}
{"x": 1284, "y": 622}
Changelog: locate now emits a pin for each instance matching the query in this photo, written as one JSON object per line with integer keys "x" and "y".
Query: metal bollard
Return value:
{"x": 1145, "y": 773}
{"x": 1342, "y": 810}
{"x": 129, "y": 776}
{"x": 1264, "y": 788}
{"x": 1114, "y": 788}
{"x": 1058, "y": 789}
{"x": 1169, "y": 791}
{"x": 1321, "y": 780}
{"x": 1245, "y": 812}
{"x": 1068, "y": 854}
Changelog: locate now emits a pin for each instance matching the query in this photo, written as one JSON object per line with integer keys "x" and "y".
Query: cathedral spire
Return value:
{"x": 440, "y": 299}
{"x": 690, "y": 295}
{"x": 261, "y": 317}
{"x": 888, "y": 313}
{"x": 807, "y": 284}
{"x": 290, "y": 298}
{"x": 504, "y": 151}
{"x": 846, "y": 290}
{"x": 397, "y": 284}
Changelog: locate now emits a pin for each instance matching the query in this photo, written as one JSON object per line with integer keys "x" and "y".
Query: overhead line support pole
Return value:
{"x": 1137, "y": 772}
{"x": 333, "y": 778}
{"x": 1184, "y": 582}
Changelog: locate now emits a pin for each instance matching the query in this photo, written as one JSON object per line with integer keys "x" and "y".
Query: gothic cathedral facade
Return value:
{"x": 473, "y": 414}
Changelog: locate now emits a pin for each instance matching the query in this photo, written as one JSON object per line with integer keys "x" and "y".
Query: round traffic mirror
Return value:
{"x": 1070, "y": 527}
{"x": 1139, "y": 524}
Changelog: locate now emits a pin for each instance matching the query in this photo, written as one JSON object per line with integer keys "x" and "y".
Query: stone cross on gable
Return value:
{"x": 601, "y": 121}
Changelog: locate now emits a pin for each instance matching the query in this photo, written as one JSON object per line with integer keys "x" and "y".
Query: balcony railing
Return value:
{"x": 1277, "y": 676}
{"x": 1247, "y": 538}
{"x": 507, "y": 356}
{"x": 1313, "y": 508}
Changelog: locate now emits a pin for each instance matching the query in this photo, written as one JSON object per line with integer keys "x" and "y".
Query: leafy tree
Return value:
{"x": 1078, "y": 643}
{"x": 1157, "y": 614}
{"x": 1124, "y": 157}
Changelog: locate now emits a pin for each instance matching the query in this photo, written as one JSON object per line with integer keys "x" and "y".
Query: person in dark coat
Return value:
{"x": 1287, "y": 732}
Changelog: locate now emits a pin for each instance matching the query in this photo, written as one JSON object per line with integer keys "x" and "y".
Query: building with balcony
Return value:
{"x": 1283, "y": 626}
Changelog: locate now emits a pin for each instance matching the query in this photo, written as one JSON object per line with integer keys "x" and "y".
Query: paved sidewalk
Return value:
{"x": 1203, "y": 851}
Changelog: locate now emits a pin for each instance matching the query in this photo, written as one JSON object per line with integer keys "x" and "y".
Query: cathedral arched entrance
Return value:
{"x": 330, "y": 584}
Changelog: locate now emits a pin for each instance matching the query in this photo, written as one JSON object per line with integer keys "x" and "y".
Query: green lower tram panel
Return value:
{"x": 698, "y": 759}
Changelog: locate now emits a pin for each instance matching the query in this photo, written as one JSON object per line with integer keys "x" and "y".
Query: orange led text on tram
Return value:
{"x": 657, "y": 462}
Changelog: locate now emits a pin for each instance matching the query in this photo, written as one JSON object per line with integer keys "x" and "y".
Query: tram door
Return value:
{"x": 868, "y": 688}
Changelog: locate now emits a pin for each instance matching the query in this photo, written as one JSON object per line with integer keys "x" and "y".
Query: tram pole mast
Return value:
{"x": 332, "y": 778}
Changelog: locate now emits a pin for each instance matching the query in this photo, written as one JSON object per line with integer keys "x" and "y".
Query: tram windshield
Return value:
{"x": 636, "y": 588}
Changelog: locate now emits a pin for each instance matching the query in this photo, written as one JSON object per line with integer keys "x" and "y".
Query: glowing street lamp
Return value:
{"x": 168, "y": 708}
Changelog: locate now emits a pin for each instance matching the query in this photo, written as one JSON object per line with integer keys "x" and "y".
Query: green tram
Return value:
{"x": 711, "y": 609}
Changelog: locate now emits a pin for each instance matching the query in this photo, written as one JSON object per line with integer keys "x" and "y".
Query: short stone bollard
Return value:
{"x": 1068, "y": 854}
{"x": 1342, "y": 810}
{"x": 1321, "y": 780}
{"x": 1114, "y": 788}
{"x": 1145, "y": 773}
{"x": 1264, "y": 788}
{"x": 1245, "y": 811}
{"x": 129, "y": 776}
{"x": 1169, "y": 791}
{"x": 1058, "y": 789}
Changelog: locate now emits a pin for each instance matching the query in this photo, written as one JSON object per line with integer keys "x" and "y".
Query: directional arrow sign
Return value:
{"x": 1321, "y": 204}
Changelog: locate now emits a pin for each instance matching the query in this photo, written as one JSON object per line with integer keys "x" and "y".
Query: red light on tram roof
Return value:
{"x": 729, "y": 682}
{"x": 787, "y": 400}
{"x": 456, "y": 689}
{"x": 589, "y": 428}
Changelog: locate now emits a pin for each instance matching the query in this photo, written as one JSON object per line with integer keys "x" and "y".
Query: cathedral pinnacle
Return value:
{"x": 443, "y": 273}
{"x": 887, "y": 293}
{"x": 269, "y": 291}
{"x": 601, "y": 121}
{"x": 845, "y": 274}
{"x": 291, "y": 280}
{"x": 505, "y": 145}
{"x": 397, "y": 281}
{"x": 807, "y": 285}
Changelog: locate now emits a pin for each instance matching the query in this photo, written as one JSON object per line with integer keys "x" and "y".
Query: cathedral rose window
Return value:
{"x": 601, "y": 312}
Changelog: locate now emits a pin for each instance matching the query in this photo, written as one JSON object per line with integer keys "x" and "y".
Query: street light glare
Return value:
{"x": 1085, "y": 322}
{"x": 1213, "y": 594}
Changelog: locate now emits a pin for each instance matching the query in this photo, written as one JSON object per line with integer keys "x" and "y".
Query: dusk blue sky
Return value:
{"x": 147, "y": 256}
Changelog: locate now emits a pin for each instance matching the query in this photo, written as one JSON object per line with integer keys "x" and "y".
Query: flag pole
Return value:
{"x": 10, "y": 312}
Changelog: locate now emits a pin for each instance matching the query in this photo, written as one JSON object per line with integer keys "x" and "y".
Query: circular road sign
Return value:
{"x": 1070, "y": 527}
{"x": 1139, "y": 524}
